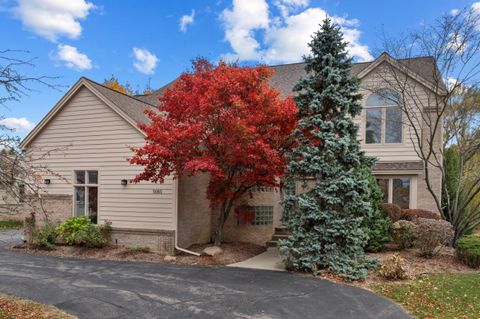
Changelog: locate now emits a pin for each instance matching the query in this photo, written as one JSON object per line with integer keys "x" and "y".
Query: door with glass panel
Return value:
{"x": 85, "y": 194}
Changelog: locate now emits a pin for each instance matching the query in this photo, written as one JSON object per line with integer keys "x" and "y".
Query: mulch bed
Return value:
{"x": 15, "y": 308}
{"x": 443, "y": 263}
{"x": 232, "y": 253}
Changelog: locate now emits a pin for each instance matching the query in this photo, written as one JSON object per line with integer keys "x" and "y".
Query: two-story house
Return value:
{"x": 88, "y": 134}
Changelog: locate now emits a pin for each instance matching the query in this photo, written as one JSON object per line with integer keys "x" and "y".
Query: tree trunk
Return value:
{"x": 225, "y": 211}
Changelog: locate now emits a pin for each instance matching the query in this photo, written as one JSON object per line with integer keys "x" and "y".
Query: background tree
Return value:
{"x": 453, "y": 41}
{"x": 326, "y": 221}
{"x": 223, "y": 120}
{"x": 17, "y": 174}
{"x": 127, "y": 88}
{"x": 114, "y": 84}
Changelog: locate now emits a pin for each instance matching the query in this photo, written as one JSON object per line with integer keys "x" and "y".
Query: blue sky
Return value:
{"x": 142, "y": 41}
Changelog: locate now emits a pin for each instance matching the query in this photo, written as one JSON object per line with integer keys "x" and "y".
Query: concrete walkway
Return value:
{"x": 112, "y": 289}
{"x": 269, "y": 260}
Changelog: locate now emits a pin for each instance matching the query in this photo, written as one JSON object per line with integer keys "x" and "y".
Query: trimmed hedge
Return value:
{"x": 404, "y": 233}
{"x": 411, "y": 214}
{"x": 432, "y": 235}
{"x": 468, "y": 250}
{"x": 394, "y": 212}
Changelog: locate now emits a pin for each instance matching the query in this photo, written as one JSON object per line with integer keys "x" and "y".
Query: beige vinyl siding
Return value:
{"x": 88, "y": 135}
{"x": 404, "y": 151}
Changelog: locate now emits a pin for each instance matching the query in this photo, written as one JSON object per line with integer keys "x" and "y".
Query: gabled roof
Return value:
{"x": 131, "y": 105}
{"x": 286, "y": 75}
{"x": 128, "y": 107}
{"x": 132, "y": 108}
{"x": 422, "y": 69}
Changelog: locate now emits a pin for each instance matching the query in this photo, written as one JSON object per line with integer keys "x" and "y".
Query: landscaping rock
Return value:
{"x": 169, "y": 258}
{"x": 212, "y": 251}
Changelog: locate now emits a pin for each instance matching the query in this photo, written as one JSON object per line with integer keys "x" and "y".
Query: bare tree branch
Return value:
{"x": 450, "y": 115}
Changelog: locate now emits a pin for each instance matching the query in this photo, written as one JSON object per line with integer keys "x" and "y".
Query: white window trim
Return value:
{"x": 86, "y": 191}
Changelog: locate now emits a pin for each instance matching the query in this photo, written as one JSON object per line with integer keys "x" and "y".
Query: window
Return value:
{"x": 383, "y": 118}
{"x": 86, "y": 194}
{"x": 373, "y": 128}
{"x": 262, "y": 215}
{"x": 401, "y": 192}
{"x": 396, "y": 190}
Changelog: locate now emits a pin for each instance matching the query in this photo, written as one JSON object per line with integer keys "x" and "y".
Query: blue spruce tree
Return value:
{"x": 325, "y": 221}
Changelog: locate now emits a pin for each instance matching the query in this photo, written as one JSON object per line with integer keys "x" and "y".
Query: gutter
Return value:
{"x": 175, "y": 210}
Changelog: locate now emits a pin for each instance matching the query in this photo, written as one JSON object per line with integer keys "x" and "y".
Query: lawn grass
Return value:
{"x": 437, "y": 296}
{"x": 10, "y": 224}
{"x": 14, "y": 308}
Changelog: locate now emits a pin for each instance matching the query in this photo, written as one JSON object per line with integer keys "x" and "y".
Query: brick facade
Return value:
{"x": 161, "y": 241}
{"x": 425, "y": 199}
{"x": 197, "y": 221}
{"x": 194, "y": 213}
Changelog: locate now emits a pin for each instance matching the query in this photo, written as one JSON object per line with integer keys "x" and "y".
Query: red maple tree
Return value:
{"x": 225, "y": 120}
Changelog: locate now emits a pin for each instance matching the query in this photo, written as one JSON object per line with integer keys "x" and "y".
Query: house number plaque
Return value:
{"x": 157, "y": 191}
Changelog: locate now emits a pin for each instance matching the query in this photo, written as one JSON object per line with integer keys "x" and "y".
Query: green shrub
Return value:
{"x": 94, "y": 236}
{"x": 393, "y": 211}
{"x": 412, "y": 214}
{"x": 404, "y": 233}
{"x": 378, "y": 223}
{"x": 46, "y": 236}
{"x": 394, "y": 268}
{"x": 432, "y": 235}
{"x": 71, "y": 229}
{"x": 80, "y": 231}
{"x": 468, "y": 250}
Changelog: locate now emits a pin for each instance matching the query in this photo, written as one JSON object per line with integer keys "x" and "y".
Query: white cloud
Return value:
{"x": 145, "y": 61}
{"x": 240, "y": 24}
{"x": 359, "y": 51}
{"x": 287, "y": 6}
{"x": 254, "y": 33}
{"x": 186, "y": 20}
{"x": 21, "y": 124}
{"x": 476, "y": 6}
{"x": 53, "y": 18}
{"x": 451, "y": 82}
{"x": 454, "y": 12}
{"x": 72, "y": 58}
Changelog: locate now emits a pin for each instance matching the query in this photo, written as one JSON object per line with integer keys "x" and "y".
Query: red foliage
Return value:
{"x": 411, "y": 214}
{"x": 391, "y": 210}
{"x": 244, "y": 214}
{"x": 225, "y": 120}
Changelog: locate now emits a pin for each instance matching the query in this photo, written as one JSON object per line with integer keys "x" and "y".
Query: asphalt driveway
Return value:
{"x": 109, "y": 289}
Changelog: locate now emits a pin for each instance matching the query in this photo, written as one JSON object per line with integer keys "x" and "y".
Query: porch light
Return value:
{"x": 124, "y": 182}
{"x": 46, "y": 181}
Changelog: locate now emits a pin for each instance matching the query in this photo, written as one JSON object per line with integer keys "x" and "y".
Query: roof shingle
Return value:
{"x": 131, "y": 106}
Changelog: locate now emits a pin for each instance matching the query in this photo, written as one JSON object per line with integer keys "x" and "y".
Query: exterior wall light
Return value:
{"x": 124, "y": 182}
{"x": 47, "y": 181}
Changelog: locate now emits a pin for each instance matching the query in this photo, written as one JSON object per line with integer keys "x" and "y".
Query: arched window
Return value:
{"x": 383, "y": 118}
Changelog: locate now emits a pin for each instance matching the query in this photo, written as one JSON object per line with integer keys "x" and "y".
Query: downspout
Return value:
{"x": 175, "y": 210}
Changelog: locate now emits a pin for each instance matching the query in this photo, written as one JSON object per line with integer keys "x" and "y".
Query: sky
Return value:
{"x": 151, "y": 42}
